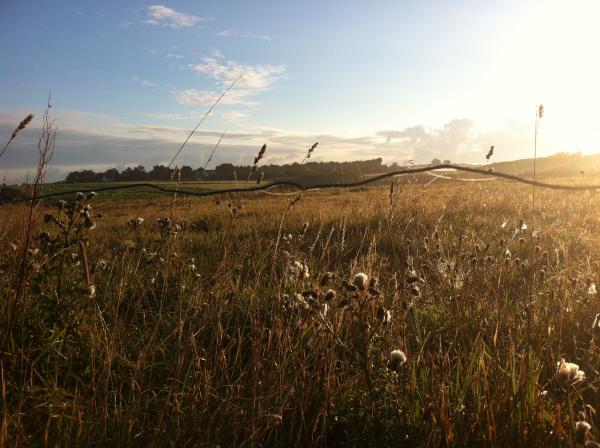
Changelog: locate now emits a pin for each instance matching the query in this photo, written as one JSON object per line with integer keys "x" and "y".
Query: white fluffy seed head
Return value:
{"x": 581, "y": 429}
{"x": 568, "y": 373}
{"x": 397, "y": 359}
{"x": 360, "y": 280}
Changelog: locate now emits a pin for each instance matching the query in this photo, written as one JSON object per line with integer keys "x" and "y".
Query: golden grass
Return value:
{"x": 247, "y": 326}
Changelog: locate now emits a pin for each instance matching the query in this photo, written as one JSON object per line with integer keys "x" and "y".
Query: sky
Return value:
{"x": 400, "y": 80}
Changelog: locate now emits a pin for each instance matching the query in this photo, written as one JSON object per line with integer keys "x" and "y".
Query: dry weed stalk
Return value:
{"x": 310, "y": 151}
{"x": 19, "y": 128}
{"x": 45, "y": 151}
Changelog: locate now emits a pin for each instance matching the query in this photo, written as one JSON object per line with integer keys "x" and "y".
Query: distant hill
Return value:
{"x": 557, "y": 165}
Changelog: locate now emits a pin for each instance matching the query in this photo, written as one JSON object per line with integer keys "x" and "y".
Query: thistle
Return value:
{"x": 360, "y": 280}
{"x": 329, "y": 295}
{"x": 326, "y": 277}
{"x": 397, "y": 360}
{"x": 581, "y": 429}
{"x": 568, "y": 373}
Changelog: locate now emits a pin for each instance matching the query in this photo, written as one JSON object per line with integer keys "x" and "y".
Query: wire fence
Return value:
{"x": 301, "y": 187}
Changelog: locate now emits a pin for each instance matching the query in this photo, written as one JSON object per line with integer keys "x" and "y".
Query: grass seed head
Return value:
{"x": 22, "y": 125}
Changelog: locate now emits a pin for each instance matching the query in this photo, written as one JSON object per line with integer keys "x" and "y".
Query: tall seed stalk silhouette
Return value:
{"x": 210, "y": 109}
{"x": 24, "y": 122}
{"x": 539, "y": 113}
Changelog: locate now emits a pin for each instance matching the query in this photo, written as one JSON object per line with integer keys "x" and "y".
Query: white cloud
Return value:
{"x": 208, "y": 97}
{"x": 144, "y": 82}
{"x": 255, "y": 79}
{"x": 174, "y": 56}
{"x": 231, "y": 33}
{"x": 233, "y": 116}
{"x": 159, "y": 15}
{"x": 193, "y": 115}
{"x": 452, "y": 139}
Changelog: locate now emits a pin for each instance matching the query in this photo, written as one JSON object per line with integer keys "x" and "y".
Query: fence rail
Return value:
{"x": 301, "y": 187}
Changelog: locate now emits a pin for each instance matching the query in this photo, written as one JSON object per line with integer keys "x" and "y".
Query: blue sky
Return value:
{"x": 397, "y": 79}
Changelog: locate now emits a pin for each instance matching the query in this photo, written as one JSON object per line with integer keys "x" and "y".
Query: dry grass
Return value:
{"x": 211, "y": 327}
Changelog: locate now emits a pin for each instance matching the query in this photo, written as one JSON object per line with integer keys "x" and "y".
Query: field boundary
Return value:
{"x": 301, "y": 187}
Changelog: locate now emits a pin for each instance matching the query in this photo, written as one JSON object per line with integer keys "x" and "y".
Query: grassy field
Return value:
{"x": 142, "y": 192}
{"x": 246, "y": 321}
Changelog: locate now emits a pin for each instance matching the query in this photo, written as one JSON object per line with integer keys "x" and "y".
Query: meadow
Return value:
{"x": 448, "y": 314}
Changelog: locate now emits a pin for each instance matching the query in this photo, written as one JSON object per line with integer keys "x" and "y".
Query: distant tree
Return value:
{"x": 83, "y": 176}
{"x": 224, "y": 171}
{"x": 161, "y": 172}
{"x": 199, "y": 173}
{"x": 137, "y": 173}
{"x": 447, "y": 162}
{"x": 187, "y": 173}
{"x": 435, "y": 162}
{"x": 111, "y": 174}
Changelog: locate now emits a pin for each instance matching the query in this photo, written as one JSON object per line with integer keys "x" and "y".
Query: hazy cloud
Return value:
{"x": 233, "y": 116}
{"x": 159, "y": 15}
{"x": 144, "y": 82}
{"x": 184, "y": 116}
{"x": 208, "y": 97}
{"x": 231, "y": 33}
{"x": 256, "y": 79}
{"x": 452, "y": 139}
{"x": 92, "y": 140}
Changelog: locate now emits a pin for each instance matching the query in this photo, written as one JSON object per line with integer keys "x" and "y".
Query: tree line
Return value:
{"x": 310, "y": 171}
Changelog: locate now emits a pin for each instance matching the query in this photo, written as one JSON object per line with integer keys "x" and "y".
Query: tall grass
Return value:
{"x": 211, "y": 327}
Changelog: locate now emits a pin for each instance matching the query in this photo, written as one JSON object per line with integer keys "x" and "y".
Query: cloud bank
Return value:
{"x": 99, "y": 142}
